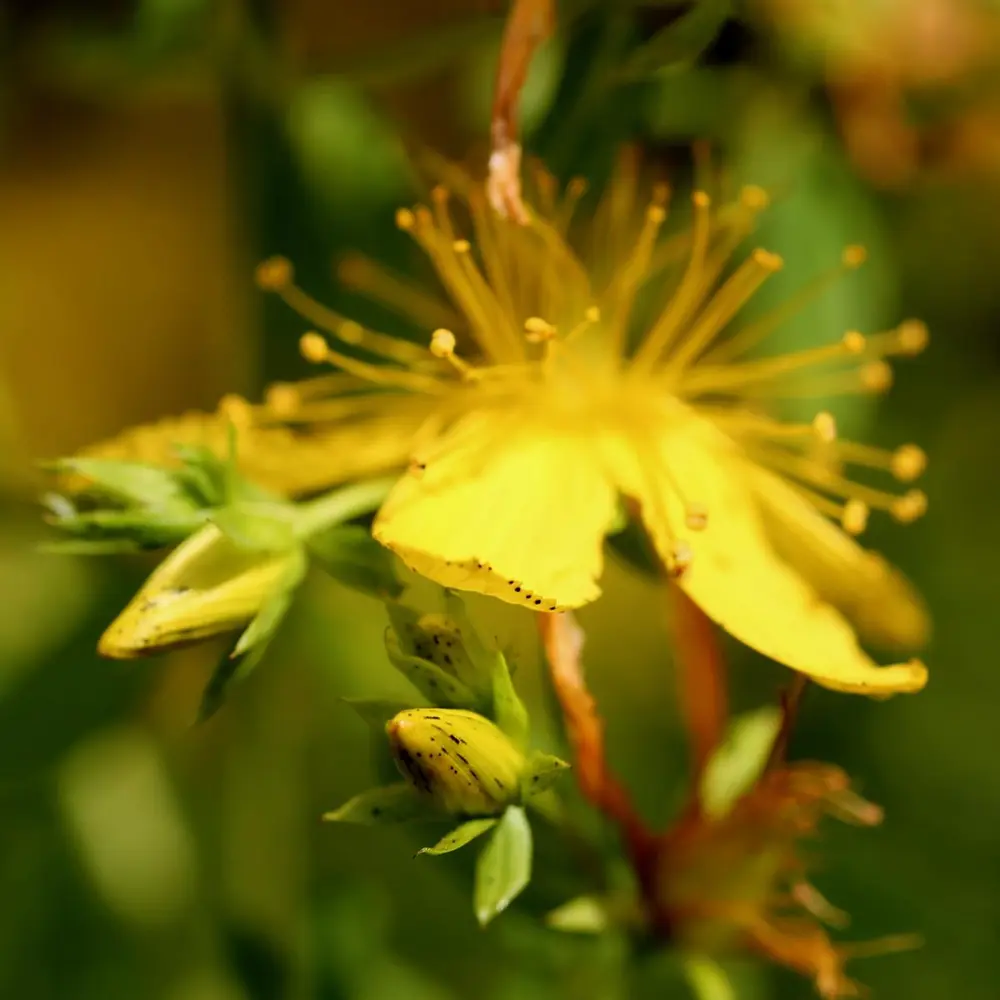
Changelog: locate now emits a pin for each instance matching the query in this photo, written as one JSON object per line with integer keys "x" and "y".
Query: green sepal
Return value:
{"x": 350, "y": 555}
{"x": 145, "y": 529}
{"x": 503, "y": 868}
{"x": 389, "y": 804}
{"x": 540, "y": 773}
{"x": 439, "y": 687}
{"x": 376, "y": 712}
{"x": 131, "y": 483}
{"x": 509, "y": 712}
{"x": 739, "y": 760}
{"x": 461, "y": 836}
{"x": 260, "y": 527}
{"x": 583, "y": 915}
{"x": 253, "y": 641}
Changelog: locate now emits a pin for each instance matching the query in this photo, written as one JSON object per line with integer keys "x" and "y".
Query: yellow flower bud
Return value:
{"x": 459, "y": 759}
{"x": 207, "y": 586}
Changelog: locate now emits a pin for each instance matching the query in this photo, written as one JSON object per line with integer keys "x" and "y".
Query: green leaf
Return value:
{"x": 257, "y": 527}
{"x": 583, "y": 915}
{"x": 739, "y": 760}
{"x": 439, "y": 687}
{"x": 377, "y": 711}
{"x": 390, "y": 804}
{"x": 460, "y": 836}
{"x": 504, "y": 866}
{"x": 349, "y": 554}
{"x": 680, "y": 43}
{"x": 509, "y": 712}
{"x": 128, "y": 482}
{"x": 541, "y": 771}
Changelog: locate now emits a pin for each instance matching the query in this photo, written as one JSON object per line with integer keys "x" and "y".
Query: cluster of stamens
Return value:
{"x": 515, "y": 288}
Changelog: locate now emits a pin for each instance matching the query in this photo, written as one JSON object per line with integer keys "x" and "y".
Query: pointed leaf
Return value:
{"x": 541, "y": 772}
{"x": 504, "y": 866}
{"x": 438, "y": 687}
{"x": 583, "y": 915}
{"x": 349, "y": 554}
{"x": 129, "y": 482}
{"x": 739, "y": 761}
{"x": 461, "y": 836}
{"x": 508, "y": 709}
{"x": 390, "y": 804}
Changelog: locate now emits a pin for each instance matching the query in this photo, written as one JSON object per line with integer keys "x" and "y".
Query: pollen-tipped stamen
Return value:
{"x": 754, "y": 333}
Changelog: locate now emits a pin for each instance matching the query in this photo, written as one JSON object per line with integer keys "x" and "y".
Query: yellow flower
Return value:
{"x": 550, "y": 389}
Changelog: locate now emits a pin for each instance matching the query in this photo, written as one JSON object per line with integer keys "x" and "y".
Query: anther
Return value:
{"x": 313, "y": 347}
{"x": 854, "y": 342}
{"x": 768, "y": 261}
{"x": 404, "y": 219}
{"x": 755, "y": 197}
{"x": 236, "y": 409}
{"x": 854, "y": 256}
{"x": 876, "y": 376}
{"x": 274, "y": 274}
{"x": 439, "y": 193}
{"x": 350, "y": 332}
{"x": 910, "y": 507}
{"x": 696, "y": 516}
{"x": 908, "y": 463}
{"x": 854, "y": 518}
{"x": 577, "y": 187}
{"x": 443, "y": 343}
{"x": 656, "y": 214}
{"x": 912, "y": 336}
{"x": 825, "y": 426}
{"x": 538, "y": 330}
{"x": 701, "y": 199}
{"x": 461, "y": 246}
{"x": 282, "y": 399}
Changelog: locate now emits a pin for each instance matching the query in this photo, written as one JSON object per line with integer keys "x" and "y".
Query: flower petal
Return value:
{"x": 735, "y": 576}
{"x": 273, "y": 456}
{"x": 517, "y": 511}
{"x": 880, "y": 601}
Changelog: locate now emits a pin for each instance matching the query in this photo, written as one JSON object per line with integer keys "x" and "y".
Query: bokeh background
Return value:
{"x": 151, "y": 151}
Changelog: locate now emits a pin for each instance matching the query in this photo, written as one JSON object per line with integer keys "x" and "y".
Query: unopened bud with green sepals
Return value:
{"x": 465, "y": 763}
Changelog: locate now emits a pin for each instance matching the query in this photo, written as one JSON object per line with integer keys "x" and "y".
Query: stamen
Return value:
{"x": 316, "y": 350}
{"x": 725, "y": 304}
{"x": 538, "y": 330}
{"x": 443, "y": 346}
{"x": 633, "y": 272}
{"x": 717, "y": 377}
{"x": 910, "y": 507}
{"x": 688, "y": 293}
{"x": 909, "y": 339}
{"x": 696, "y": 516}
{"x": 854, "y": 519}
{"x": 591, "y": 317}
{"x": 464, "y": 282}
{"x": 750, "y": 336}
{"x": 361, "y": 274}
{"x": 277, "y": 275}
{"x": 825, "y": 426}
{"x": 236, "y": 409}
{"x": 908, "y": 463}
{"x": 575, "y": 190}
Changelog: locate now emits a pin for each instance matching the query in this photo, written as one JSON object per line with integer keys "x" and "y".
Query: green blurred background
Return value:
{"x": 151, "y": 151}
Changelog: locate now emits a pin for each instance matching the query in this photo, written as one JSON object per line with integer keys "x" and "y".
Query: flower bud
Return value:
{"x": 459, "y": 759}
{"x": 207, "y": 586}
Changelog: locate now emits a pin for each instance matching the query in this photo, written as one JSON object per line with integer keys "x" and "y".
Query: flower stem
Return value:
{"x": 341, "y": 505}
